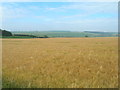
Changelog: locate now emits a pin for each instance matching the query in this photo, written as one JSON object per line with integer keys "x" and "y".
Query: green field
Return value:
{"x": 67, "y": 33}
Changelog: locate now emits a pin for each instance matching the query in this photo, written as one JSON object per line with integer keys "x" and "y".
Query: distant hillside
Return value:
{"x": 68, "y": 33}
{"x": 98, "y": 32}
{"x": 93, "y": 32}
{"x": 8, "y": 34}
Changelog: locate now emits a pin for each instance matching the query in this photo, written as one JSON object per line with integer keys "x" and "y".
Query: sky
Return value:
{"x": 60, "y": 16}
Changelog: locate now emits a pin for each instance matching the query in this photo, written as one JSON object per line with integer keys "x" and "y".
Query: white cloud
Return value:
{"x": 91, "y": 7}
{"x": 51, "y": 8}
{"x": 13, "y": 10}
{"x": 88, "y": 9}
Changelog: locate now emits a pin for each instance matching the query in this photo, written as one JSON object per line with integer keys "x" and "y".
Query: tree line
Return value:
{"x": 5, "y": 33}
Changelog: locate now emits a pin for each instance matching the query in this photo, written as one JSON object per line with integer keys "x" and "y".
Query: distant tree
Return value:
{"x": 5, "y": 33}
{"x": 0, "y": 32}
{"x": 45, "y": 36}
{"x": 86, "y": 36}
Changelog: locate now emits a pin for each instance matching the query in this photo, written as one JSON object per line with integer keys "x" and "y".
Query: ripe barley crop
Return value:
{"x": 60, "y": 63}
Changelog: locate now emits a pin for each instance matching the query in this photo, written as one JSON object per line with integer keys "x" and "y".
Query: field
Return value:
{"x": 67, "y": 33}
{"x": 60, "y": 63}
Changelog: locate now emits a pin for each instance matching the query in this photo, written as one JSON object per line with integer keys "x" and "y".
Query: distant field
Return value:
{"x": 67, "y": 33}
{"x": 60, "y": 63}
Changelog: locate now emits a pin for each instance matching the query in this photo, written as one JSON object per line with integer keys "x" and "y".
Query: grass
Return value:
{"x": 60, "y": 63}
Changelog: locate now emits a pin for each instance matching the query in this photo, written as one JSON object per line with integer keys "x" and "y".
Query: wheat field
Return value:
{"x": 60, "y": 63}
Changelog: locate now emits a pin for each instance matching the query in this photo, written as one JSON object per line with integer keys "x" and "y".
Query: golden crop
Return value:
{"x": 60, "y": 63}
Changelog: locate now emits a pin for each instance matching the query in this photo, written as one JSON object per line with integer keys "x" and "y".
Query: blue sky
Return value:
{"x": 72, "y": 16}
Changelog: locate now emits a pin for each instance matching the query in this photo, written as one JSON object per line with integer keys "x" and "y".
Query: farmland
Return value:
{"x": 60, "y": 63}
{"x": 68, "y": 33}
